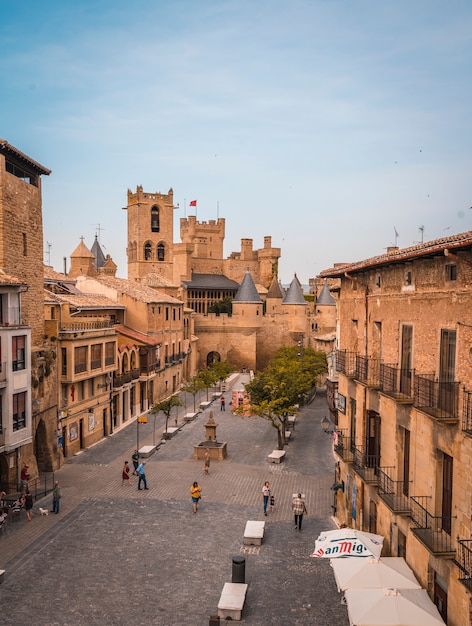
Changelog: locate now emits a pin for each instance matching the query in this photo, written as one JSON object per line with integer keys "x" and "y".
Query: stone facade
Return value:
{"x": 404, "y": 422}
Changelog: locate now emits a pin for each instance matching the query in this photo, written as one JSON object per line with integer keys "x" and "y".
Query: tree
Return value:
{"x": 166, "y": 407}
{"x": 221, "y": 370}
{"x": 276, "y": 392}
{"x": 222, "y": 306}
{"x": 194, "y": 386}
{"x": 208, "y": 378}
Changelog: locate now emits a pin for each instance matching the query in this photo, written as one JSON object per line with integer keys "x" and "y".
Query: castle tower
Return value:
{"x": 150, "y": 234}
{"x": 82, "y": 262}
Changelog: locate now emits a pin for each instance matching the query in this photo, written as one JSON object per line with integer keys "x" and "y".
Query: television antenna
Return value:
{"x": 48, "y": 252}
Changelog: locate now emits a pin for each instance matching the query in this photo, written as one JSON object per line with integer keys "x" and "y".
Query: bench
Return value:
{"x": 291, "y": 421}
{"x": 253, "y": 533}
{"x": 216, "y": 395}
{"x": 231, "y": 601}
{"x": 2, "y": 574}
{"x": 204, "y": 405}
{"x": 288, "y": 434}
{"x": 146, "y": 451}
{"x": 171, "y": 431}
{"x": 276, "y": 456}
{"x": 188, "y": 417}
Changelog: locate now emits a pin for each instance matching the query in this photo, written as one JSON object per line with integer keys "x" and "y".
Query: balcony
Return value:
{"x": 343, "y": 446}
{"x": 467, "y": 412}
{"x": 3, "y": 373}
{"x": 433, "y": 531}
{"x": 75, "y": 327}
{"x": 365, "y": 465}
{"x": 396, "y": 382}
{"x": 346, "y": 363}
{"x": 368, "y": 370}
{"x": 394, "y": 493}
{"x": 438, "y": 399}
{"x": 463, "y": 561}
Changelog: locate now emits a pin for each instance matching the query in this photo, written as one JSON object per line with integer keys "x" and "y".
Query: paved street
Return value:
{"x": 114, "y": 556}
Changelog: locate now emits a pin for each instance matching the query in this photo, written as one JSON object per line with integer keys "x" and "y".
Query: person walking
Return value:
{"x": 135, "y": 459}
{"x": 142, "y": 476}
{"x": 298, "y": 508}
{"x": 56, "y": 497}
{"x": 222, "y": 403}
{"x": 24, "y": 477}
{"x": 196, "y": 493}
{"x": 29, "y": 505}
{"x": 125, "y": 474}
{"x": 206, "y": 466}
{"x": 265, "y": 496}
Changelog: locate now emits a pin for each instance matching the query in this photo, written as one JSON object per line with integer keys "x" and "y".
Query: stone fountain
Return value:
{"x": 217, "y": 449}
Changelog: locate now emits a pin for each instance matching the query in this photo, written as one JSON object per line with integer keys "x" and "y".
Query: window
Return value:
{"x": 96, "y": 356}
{"x": 19, "y": 411}
{"x": 110, "y": 353}
{"x": 80, "y": 359}
{"x": 378, "y": 281}
{"x": 21, "y": 174}
{"x": 147, "y": 252}
{"x": 64, "y": 361}
{"x": 408, "y": 278}
{"x": 155, "y": 219}
{"x": 160, "y": 252}
{"x": 167, "y": 313}
{"x": 447, "y": 493}
{"x": 451, "y": 271}
{"x": 18, "y": 353}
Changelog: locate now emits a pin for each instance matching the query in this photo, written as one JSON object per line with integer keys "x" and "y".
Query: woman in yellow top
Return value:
{"x": 196, "y": 493}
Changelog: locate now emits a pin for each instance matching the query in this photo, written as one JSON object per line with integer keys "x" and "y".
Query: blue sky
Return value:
{"x": 327, "y": 124}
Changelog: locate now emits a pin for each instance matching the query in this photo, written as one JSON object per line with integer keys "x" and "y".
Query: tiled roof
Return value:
{"x": 7, "y": 279}
{"x": 51, "y": 274}
{"x": 88, "y": 301}
{"x": 136, "y": 335}
{"x": 274, "y": 289}
{"x": 210, "y": 281}
{"x": 7, "y": 148}
{"x": 401, "y": 255}
{"x": 133, "y": 289}
{"x": 247, "y": 292}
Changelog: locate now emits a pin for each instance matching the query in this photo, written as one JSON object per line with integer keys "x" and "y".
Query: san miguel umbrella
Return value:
{"x": 372, "y": 573}
{"x": 347, "y": 542}
{"x": 391, "y": 607}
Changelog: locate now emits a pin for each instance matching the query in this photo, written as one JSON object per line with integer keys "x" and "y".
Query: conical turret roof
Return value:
{"x": 294, "y": 294}
{"x": 325, "y": 297}
{"x": 247, "y": 291}
{"x": 98, "y": 254}
{"x": 274, "y": 290}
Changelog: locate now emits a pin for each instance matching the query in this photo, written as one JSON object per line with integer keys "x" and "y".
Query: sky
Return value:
{"x": 337, "y": 127}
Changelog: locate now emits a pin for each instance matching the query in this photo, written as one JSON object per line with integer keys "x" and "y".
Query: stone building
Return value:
{"x": 28, "y": 412}
{"x": 403, "y": 440}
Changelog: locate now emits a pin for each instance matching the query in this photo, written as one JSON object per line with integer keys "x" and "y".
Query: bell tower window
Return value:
{"x": 147, "y": 251}
{"x": 155, "y": 219}
{"x": 160, "y": 252}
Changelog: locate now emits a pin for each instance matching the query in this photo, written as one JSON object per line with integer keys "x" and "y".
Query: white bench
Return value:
{"x": 188, "y": 417}
{"x": 2, "y": 574}
{"x": 216, "y": 395}
{"x": 232, "y": 600}
{"x": 288, "y": 434}
{"x": 276, "y": 456}
{"x": 171, "y": 431}
{"x": 146, "y": 451}
{"x": 291, "y": 421}
{"x": 204, "y": 405}
{"x": 253, "y": 533}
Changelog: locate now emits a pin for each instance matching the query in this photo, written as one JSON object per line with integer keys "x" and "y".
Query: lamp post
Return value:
{"x": 325, "y": 424}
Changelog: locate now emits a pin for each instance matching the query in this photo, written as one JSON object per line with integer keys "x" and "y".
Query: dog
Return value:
{"x": 43, "y": 511}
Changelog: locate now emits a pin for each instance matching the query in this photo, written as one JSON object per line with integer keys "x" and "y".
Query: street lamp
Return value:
{"x": 325, "y": 424}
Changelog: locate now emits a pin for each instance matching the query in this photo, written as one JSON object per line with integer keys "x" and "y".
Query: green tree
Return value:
{"x": 276, "y": 392}
{"x": 222, "y": 306}
{"x": 166, "y": 407}
{"x": 208, "y": 378}
{"x": 221, "y": 370}
{"x": 194, "y": 386}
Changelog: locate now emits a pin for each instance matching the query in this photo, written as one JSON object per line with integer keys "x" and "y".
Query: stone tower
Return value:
{"x": 21, "y": 230}
{"x": 150, "y": 234}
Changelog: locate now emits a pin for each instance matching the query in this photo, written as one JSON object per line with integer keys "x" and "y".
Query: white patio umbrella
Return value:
{"x": 372, "y": 573}
{"x": 391, "y": 607}
{"x": 347, "y": 542}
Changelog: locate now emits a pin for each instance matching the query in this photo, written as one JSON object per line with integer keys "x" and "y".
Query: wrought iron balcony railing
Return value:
{"x": 467, "y": 412}
{"x": 438, "y": 399}
{"x": 396, "y": 382}
{"x": 368, "y": 370}
{"x": 343, "y": 446}
{"x": 463, "y": 561}
{"x": 395, "y": 493}
{"x": 434, "y": 531}
{"x": 365, "y": 465}
{"x": 346, "y": 362}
